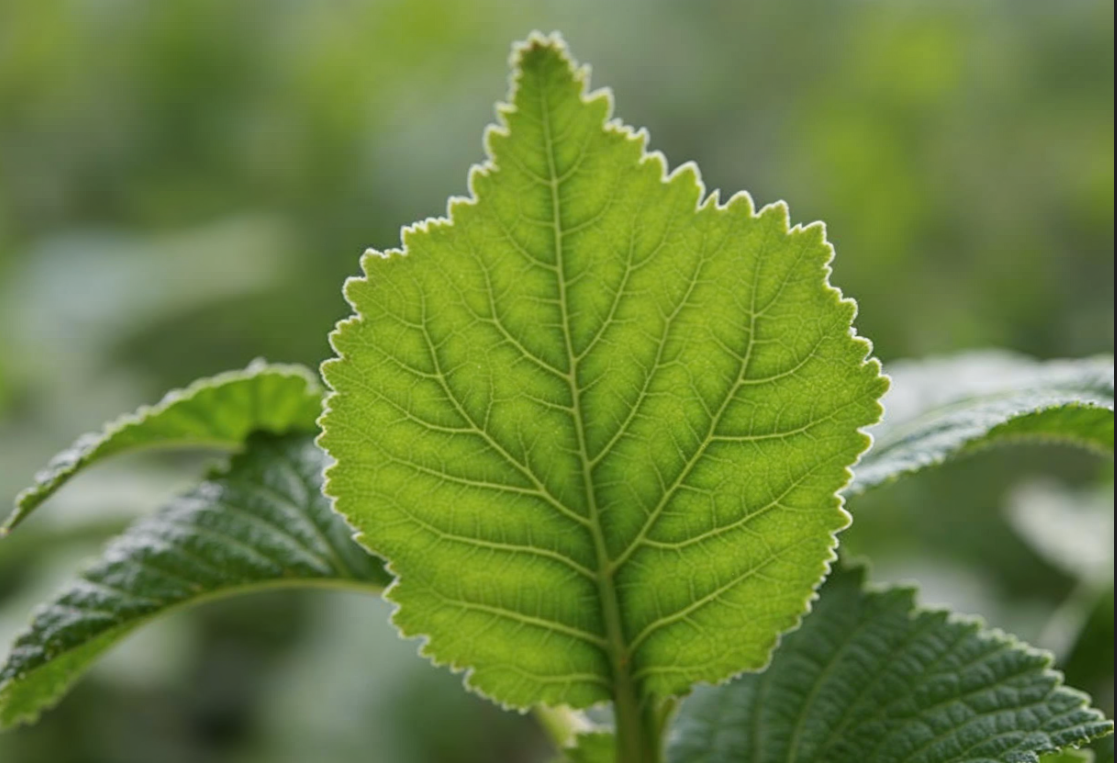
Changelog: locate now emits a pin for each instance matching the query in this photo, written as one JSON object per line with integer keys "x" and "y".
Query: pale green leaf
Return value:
{"x": 218, "y": 412}
{"x": 596, "y": 420}
{"x": 262, "y": 523}
{"x": 939, "y": 409}
{"x": 869, "y": 678}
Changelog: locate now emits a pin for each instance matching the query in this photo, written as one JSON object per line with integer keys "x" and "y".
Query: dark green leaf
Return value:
{"x": 262, "y": 523}
{"x": 869, "y": 678}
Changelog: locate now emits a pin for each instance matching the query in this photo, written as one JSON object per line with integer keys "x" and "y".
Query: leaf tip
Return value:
{"x": 25, "y": 502}
{"x": 539, "y": 45}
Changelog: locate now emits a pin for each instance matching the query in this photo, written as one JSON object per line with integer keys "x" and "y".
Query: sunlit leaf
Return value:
{"x": 595, "y": 419}
{"x": 263, "y": 523}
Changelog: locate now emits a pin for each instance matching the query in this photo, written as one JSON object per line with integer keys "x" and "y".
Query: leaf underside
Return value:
{"x": 216, "y": 412}
{"x": 595, "y": 420}
{"x": 869, "y": 678}
{"x": 262, "y": 523}
{"x": 939, "y": 409}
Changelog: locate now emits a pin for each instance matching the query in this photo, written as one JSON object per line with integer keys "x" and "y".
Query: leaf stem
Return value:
{"x": 635, "y": 727}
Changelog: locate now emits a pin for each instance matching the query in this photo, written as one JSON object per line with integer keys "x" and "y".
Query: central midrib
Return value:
{"x": 619, "y": 658}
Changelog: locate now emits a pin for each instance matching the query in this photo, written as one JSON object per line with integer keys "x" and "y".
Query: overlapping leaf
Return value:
{"x": 596, "y": 420}
{"x": 262, "y": 523}
{"x": 939, "y": 409}
{"x": 868, "y": 678}
{"x": 218, "y": 412}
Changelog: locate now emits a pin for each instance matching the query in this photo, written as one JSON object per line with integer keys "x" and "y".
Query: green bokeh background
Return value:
{"x": 184, "y": 185}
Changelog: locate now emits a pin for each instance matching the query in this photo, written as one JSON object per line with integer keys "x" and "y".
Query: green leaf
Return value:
{"x": 869, "y": 678}
{"x": 217, "y": 412}
{"x": 939, "y": 409}
{"x": 262, "y": 523}
{"x": 597, "y": 747}
{"x": 1070, "y": 756}
{"x": 596, "y": 420}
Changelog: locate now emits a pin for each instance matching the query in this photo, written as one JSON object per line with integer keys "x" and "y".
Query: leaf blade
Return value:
{"x": 219, "y": 411}
{"x": 940, "y": 409}
{"x": 262, "y": 523}
{"x": 870, "y": 678}
{"x": 505, "y": 420}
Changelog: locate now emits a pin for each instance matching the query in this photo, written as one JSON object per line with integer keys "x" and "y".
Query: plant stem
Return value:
{"x": 663, "y": 714}
{"x": 631, "y": 725}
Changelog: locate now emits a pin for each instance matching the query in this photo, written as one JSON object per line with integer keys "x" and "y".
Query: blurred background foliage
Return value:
{"x": 184, "y": 185}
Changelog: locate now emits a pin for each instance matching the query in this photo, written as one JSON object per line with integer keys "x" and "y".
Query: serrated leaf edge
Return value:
{"x": 581, "y": 74}
{"x": 988, "y": 441}
{"x": 47, "y": 481}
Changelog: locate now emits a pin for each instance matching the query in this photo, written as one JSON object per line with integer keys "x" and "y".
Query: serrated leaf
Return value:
{"x": 596, "y": 420}
{"x": 262, "y": 523}
{"x": 939, "y": 409}
{"x": 218, "y": 412}
{"x": 869, "y": 678}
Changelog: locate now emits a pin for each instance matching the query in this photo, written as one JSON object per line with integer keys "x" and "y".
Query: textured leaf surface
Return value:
{"x": 595, "y": 420}
{"x": 869, "y": 678}
{"x": 218, "y": 412}
{"x": 939, "y": 409}
{"x": 263, "y": 523}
